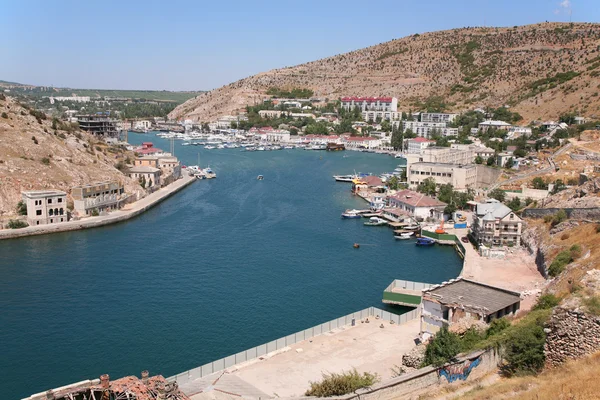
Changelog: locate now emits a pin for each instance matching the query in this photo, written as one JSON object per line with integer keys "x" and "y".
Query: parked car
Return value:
{"x": 464, "y": 239}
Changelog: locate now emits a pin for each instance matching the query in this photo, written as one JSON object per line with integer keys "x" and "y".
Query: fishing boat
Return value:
{"x": 376, "y": 221}
{"x": 210, "y": 174}
{"x": 351, "y": 214}
{"x": 425, "y": 241}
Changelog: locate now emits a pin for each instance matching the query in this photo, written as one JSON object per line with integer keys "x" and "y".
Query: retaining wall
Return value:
{"x": 572, "y": 334}
{"x": 574, "y": 213}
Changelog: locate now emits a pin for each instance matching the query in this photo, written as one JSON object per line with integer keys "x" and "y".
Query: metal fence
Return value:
{"x": 289, "y": 340}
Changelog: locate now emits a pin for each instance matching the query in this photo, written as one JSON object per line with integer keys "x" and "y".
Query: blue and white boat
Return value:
{"x": 425, "y": 241}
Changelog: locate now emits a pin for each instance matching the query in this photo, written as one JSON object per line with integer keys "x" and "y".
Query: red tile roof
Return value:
{"x": 416, "y": 199}
{"x": 359, "y": 138}
{"x": 421, "y": 140}
{"x": 372, "y": 180}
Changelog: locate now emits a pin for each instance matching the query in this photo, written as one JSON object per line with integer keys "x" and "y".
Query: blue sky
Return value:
{"x": 190, "y": 45}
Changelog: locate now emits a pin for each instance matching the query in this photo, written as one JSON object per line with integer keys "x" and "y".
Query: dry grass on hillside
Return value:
{"x": 576, "y": 380}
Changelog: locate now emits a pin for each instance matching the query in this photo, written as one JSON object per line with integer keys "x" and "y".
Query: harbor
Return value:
{"x": 296, "y": 252}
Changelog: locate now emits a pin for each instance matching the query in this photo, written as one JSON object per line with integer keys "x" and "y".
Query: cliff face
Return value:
{"x": 468, "y": 68}
{"x": 35, "y": 156}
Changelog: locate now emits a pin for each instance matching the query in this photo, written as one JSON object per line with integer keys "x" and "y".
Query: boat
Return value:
{"x": 200, "y": 175}
{"x": 209, "y": 147}
{"x": 260, "y": 178}
{"x": 411, "y": 227}
{"x": 261, "y": 148}
{"x": 401, "y": 237}
{"x": 376, "y": 221}
{"x": 351, "y": 214}
{"x": 425, "y": 241}
{"x": 344, "y": 178}
{"x": 288, "y": 147}
{"x": 210, "y": 174}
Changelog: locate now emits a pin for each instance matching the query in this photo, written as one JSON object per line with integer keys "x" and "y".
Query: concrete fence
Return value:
{"x": 283, "y": 342}
{"x": 575, "y": 213}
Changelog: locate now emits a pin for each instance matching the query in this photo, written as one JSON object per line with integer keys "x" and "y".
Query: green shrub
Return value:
{"x": 4, "y": 115}
{"x": 45, "y": 161}
{"x": 575, "y": 251}
{"x": 546, "y": 301}
{"x": 95, "y": 212}
{"x": 470, "y": 339}
{"x": 21, "y": 208}
{"x": 560, "y": 262}
{"x": 497, "y": 326}
{"x": 524, "y": 350}
{"x": 560, "y": 216}
{"x": 340, "y": 384}
{"x": 443, "y": 348}
{"x": 17, "y": 224}
{"x": 592, "y": 303}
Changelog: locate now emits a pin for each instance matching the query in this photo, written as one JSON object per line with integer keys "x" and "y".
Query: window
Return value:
{"x": 61, "y": 220}
{"x": 61, "y": 211}
{"x": 51, "y": 212}
{"x": 37, "y": 222}
{"x": 38, "y": 212}
{"x": 51, "y": 220}
{"x": 49, "y": 201}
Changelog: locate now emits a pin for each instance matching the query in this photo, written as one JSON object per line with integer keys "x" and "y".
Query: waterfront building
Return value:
{"x": 377, "y": 201}
{"x": 147, "y": 148}
{"x": 143, "y": 173}
{"x": 142, "y": 125}
{"x": 169, "y": 165}
{"x": 414, "y": 146}
{"x": 494, "y": 224}
{"x": 100, "y": 124}
{"x": 278, "y": 136}
{"x": 395, "y": 214}
{"x": 370, "y": 103}
{"x": 417, "y": 204}
{"x": 320, "y": 139}
{"x": 438, "y": 117}
{"x": 99, "y": 197}
{"x": 361, "y": 142}
{"x": 367, "y": 182}
{"x": 490, "y": 124}
{"x": 461, "y": 177}
{"x": 429, "y": 129}
{"x": 45, "y": 206}
{"x": 462, "y": 299}
{"x": 225, "y": 121}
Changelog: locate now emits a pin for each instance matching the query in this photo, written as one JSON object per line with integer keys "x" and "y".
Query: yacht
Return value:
{"x": 288, "y": 147}
{"x": 376, "y": 221}
{"x": 344, "y": 178}
{"x": 351, "y": 214}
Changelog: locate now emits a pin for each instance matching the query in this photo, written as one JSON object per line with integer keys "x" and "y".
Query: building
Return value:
{"x": 446, "y": 155}
{"x": 414, "y": 146}
{"x": 462, "y": 299}
{"x": 417, "y": 204}
{"x": 148, "y": 148}
{"x": 270, "y": 113}
{"x": 373, "y": 116}
{"x": 98, "y": 197}
{"x": 370, "y": 103}
{"x": 77, "y": 99}
{"x": 438, "y": 117}
{"x": 515, "y": 132}
{"x": 169, "y": 166}
{"x": 490, "y": 124}
{"x": 494, "y": 224}
{"x": 225, "y": 121}
{"x": 461, "y": 177}
{"x": 477, "y": 150}
{"x": 502, "y": 158}
{"x": 367, "y": 182}
{"x": 361, "y": 142}
{"x": 428, "y": 129}
{"x": 149, "y": 176}
{"x": 142, "y": 125}
{"x": 99, "y": 124}
{"x": 45, "y": 206}
{"x": 278, "y": 136}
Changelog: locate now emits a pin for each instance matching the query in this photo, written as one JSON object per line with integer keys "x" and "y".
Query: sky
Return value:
{"x": 201, "y": 45}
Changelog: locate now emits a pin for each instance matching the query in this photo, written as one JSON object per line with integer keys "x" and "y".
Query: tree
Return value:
{"x": 520, "y": 152}
{"x": 294, "y": 131}
{"x": 443, "y": 348}
{"x": 478, "y": 159}
{"x": 539, "y": 183}
{"x": 397, "y": 141}
{"x": 497, "y": 194}
{"x": 446, "y": 193}
{"x": 428, "y": 187}
{"x": 514, "y": 204}
{"x": 142, "y": 181}
{"x": 450, "y": 209}
{"x": 21, "y": 208}
{"x": 509, "y": 163}
{"x": 393, "y": 183}
{"x": 558, "y": 186}
{"x": 491, "y": 161}
{"x": 386, "y": 126}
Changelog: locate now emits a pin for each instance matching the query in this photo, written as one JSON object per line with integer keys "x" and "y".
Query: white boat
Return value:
{"x": 376, "y": 221}
{"x": 344, "y": 178}
{"x": 412, "y": 227}
{"x": 275, "y": 147}
{"x": 288, "y": 147}
{"x": 401, "y": 237}
{"x": 209, "y": 147}
{"x": 221, "y": 146}
{"x": 210, "y": 174}
{"x": 261, "y": 148}
{"x": 351, "y": 214}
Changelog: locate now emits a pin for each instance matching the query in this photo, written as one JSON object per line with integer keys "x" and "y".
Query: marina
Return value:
{"x": 180, "y": 256}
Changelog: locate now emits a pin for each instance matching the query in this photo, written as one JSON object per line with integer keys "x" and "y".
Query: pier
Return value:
{"x": 404, "y": 293}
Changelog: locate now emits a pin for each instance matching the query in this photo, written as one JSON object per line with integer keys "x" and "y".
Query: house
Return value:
{"x": 490, "y": 124}
{"x": 370, "y": 103}
{"x": 98, "y": 197}
{"x": 169, "y": 166}
{"x": 462, "y": 299}
{"x": 149, "y": 177}
{"x": 45, "y": 206}
{"x": 417, "y": 204}
{"x": 376, "y": 201}
{"x": 395, "y": 214}
{"x": 366, "y": 182}
{"x": 494, "y": 224}
{"x": 502, "y": 158}
{"x": 147, "y": 148}
{"x": 461, "y": 177}
{"x": 414, "y": 146}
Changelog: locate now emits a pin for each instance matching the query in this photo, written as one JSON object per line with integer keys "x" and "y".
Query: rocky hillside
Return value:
{"x": 540, "y": 70}
{"x": 34, "y": 155}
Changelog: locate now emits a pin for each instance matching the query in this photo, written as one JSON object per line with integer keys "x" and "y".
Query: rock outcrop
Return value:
{"x": 571, "y": 334}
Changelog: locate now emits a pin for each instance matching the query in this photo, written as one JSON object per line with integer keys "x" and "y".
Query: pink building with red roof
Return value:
{"x": 147, "y": 148}
{"x": 370, "y": 103}
{"x": 417, "y": 204}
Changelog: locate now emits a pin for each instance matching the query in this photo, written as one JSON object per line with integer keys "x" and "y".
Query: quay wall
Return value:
{"x": 95, "y": 222}
{"x": 283, "y": 342}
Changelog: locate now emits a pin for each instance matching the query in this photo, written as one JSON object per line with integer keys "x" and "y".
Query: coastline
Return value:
{"x": 131, "y": 211}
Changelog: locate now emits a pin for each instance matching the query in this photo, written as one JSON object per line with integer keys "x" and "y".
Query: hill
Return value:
{"x": 34, "y": 156}
{"x": 540, "y": 70}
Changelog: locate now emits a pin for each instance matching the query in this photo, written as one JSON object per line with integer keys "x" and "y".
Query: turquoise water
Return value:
{"x": 222, "y": 266}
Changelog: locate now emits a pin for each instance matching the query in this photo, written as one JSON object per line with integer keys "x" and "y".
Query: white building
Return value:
{"x": 225, "y": 121}
{"x": 417, "y": 204}
{"x": 45, "y": 206}
{"x": 360, "y": 142}
{"x": 446, "y": 155}
{"x": 438, "y": 117}
{"x": 370, "y": 103}
{"x": 494, "y": 224}
{"x": 518, "y": 131}
{"x": 414, "y": 146}
{"x": 373, "y": 116}
{"x": 278, "y": 137}
{"x": 78, "y": 99}
{"x": 142, "y": 125}
{"x": 461, "y": 177}
{"x": 429, "y": 129}
{"x": 490, "y": 124}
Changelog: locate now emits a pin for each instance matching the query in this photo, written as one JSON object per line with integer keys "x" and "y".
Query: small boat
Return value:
{"x": 209, "y": 147}
{"x": 260, "y": 178}
{"x": 344, "y": 178}
{"x": 351, "y": 214}
{"x": 425, "y": 241}
{"x": 376, "y": 221}
{"x": 261, "y": 148}
{"x": 412, "y": 227}
{"x": 288, "y": 147}
{"x": 401, "y": 237}
{"x": 210, "y": 174}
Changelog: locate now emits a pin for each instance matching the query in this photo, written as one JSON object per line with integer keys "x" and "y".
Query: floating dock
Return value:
{"x": 404, "y": 293}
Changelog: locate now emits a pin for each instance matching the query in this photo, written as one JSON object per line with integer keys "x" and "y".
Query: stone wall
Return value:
{"x": 573, "y": 213}
{"x": 571, "y": 334}
{"x": 486, "y": 176}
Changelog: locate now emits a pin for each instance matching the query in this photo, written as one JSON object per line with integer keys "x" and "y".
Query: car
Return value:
{"x": 464, "y": 239}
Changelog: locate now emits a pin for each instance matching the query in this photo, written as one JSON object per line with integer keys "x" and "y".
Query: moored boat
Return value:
{"x": 376, "y": 221}
{"x": 351, "y": 214}
{"x": 425, "y": 241}
{"x": 344, "y": 178}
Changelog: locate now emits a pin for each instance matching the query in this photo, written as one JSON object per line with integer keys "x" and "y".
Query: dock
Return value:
{"x": 404, "y": 293}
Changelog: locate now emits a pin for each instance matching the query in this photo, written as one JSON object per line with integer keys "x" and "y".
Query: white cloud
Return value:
{"x": 565, "y": 4}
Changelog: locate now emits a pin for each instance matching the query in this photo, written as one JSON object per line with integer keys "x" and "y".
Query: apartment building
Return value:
{"x": 98, "y": 197}
{"x": 481, "y": 151}
{"x": 429, "y": 129}
{"x": 416, "y": 145}
{"x": 494, "y": 224}
{"x": 445, "y": 155}
{"x": 370, "y": 103}
{"x": 45, "y": 206}
{"x": 438, "y": 117}
{"x": 373, "y": 116}
{"x": 461, "y": 177}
